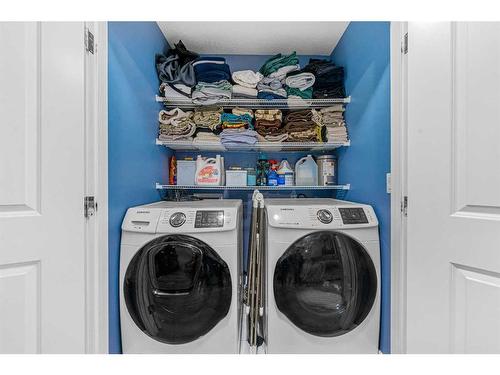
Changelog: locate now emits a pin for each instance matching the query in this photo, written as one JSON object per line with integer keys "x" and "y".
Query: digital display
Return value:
{"x": 209, "y": 219}
{"x": 353, "y": 215}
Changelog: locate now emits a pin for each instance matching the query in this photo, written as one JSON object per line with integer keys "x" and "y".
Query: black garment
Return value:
{"x": 175, "y": 66}
{"x": 329, "y": 79}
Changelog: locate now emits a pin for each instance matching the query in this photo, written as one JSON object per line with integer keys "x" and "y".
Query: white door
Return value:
{"x": 453, "y": 253}
{"x": 42, "y": 275}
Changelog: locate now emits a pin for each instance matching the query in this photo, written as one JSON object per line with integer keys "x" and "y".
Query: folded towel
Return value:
{"x": 181, "y": 128}
{"x": 272, "y": 94}
{"x": 247, "y": 78}
{"x": 282, "y": 72}
{"x": 232, "y": 121}
{"x": 208, "y": 117}
{"x": 268, "y": 114}
{"x": 300, "y": 81}
{"x": 211, "y": 69}
{"x": 171, "y": 117}
{"x": 305, "y": 115}
{"x": 269, "y": 84}
{"x": 295, "y": 93}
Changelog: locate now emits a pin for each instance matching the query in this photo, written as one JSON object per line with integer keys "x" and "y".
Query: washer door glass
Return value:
{"x": 177, "y": 288}
{"x": 325, "y": 283}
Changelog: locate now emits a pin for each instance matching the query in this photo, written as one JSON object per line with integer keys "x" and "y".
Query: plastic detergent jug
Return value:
{"x": 285, "y": 174}
{"x": 306, "y": 172}
{"x": 209, "y": 171}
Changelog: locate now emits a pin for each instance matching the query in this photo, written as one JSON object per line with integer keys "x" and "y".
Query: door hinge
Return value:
{"x": 404, "y": 206}
{"x": 89, "y": 41}
{"x": 404, "y": 45}
{"x": 89, "y": 206}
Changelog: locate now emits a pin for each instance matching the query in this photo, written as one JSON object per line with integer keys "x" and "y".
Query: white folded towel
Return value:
{"x": 300, "y": 81}
{"x": 247, "y": 78}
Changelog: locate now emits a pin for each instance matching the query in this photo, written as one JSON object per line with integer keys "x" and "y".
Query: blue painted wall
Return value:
{"x": 364, "y": 52}
{"x": 135, "y": 163}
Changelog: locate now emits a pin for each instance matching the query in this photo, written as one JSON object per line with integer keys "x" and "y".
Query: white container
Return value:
{"x": 236, "y": 177}
{"x": 209, "y": 171}
{"x": 306, "y": 172}
{"x": 186, "y": 170}
{"x": 285, "y": 174}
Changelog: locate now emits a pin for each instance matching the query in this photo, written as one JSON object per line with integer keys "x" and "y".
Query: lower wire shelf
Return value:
{"x": 243, "y": 188}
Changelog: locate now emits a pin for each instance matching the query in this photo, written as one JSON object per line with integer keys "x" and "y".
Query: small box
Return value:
{"x": 236, "y": 177}
{"x": 186, "y": 170}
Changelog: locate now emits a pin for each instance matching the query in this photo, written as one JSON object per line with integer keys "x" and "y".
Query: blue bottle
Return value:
{"x": 272, "y": 178}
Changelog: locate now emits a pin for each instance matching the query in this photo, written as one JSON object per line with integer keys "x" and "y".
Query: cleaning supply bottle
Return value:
{"x": 209, "y": 171}
{"x": 272, "y": 177}
{"x": 172, "y": 171}
{"x": 262, "y": 170}
{"x": 306, "y": 172}
{"x": 285, "y": 174}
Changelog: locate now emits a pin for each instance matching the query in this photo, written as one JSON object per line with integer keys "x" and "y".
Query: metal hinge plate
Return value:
{"x": 89, "y": 206}
{"x": 404, "y": 206}
{"x": 404, "y": 45}
{"x": 89, "y": 41}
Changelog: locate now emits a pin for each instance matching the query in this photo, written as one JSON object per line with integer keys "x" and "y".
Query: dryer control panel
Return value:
{"x": 173, "y": 220}
{"x": 321, "y": 217}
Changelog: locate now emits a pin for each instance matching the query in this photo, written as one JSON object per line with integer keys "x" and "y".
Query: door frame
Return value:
{"x": 96, "y": 235}
{"x": 399, "y": 131}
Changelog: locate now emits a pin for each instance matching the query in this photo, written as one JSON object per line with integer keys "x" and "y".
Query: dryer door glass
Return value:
{"x": 325, "y": 283}
{"x": 177, "y": 288}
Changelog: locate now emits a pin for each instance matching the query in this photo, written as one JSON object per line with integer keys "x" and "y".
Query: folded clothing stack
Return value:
{"x": 268, "y": 125}
{"x": 175, "y": 70}
{"x": 242, "y": 111}
{"x": 208, "y": 117}
{"x": 177, "y": 90}
{"x": 205, "y": 137}
{"x": 239, "y": 136}
{"x": 210, "y": 93}
{"x": 329, "y": 79}
{"x": 274, "y": 70}
{"x": 300, "y": 127}
{"x": 211, "y": 69}
{"x": 332, "y": 118}
{"x": 271, "y": 88}
{"x": 299, "y": 85}
{"x": 232, "y": 121}
{"x": 176, "y": 125}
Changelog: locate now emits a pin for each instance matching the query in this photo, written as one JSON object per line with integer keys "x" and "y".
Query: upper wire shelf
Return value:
{"x": 259, "y": 146}
{"x": 257, "y": 103}
{"x": 274, "y": 188}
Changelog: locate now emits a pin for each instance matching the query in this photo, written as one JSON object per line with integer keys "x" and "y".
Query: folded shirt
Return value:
{"x": 301, "y": 81}
{"x": 232, "y": 121}
{"x": 235, "y": 137}
{"x": 247, "y": 78}
{"x": 295, "y": 93}
{"x": 207, "y": 93}
{"x": 278, "y": 61}
{"x": 244, "y": 92}
{"x": 272, "y": 94}
{"x": 268, "y": 83}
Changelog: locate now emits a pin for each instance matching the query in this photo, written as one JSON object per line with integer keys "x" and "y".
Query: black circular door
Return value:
{"x": 177, "y": 288}
{"x": 325, "y": 283}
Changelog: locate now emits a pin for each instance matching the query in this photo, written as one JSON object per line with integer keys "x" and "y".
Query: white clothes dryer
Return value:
{"x": 323, "y": 277}
{"x": 180, "y": 268}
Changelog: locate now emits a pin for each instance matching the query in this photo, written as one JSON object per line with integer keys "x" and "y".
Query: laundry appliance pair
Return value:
{"x": 181, "y": 272}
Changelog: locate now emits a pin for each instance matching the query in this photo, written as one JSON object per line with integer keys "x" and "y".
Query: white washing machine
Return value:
{"x": 323, "y": 277}
{"x": 180, "y": 268}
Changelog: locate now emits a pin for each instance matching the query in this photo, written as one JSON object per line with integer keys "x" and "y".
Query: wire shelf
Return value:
{"x": 244, "y": 188}
{"x": 259, "y": 146}
{"x": 257, "y": 103}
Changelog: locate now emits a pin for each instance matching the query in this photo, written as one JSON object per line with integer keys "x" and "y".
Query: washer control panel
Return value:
{"x": 209, "y": 219}
{"x": 322, "y": 217}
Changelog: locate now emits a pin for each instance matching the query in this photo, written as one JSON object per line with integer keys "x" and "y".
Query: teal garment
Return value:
{"x": 278, "y": 61}
{"x": 306, "y": 94}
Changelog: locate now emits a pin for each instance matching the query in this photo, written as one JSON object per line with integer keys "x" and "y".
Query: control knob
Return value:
{"x": 324, "y": 216}
{"x": 177, "y": 219}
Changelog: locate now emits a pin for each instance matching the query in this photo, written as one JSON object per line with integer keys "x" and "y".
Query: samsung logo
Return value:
{"x": 287, "y": 209}
{"x": 142, "y": 212}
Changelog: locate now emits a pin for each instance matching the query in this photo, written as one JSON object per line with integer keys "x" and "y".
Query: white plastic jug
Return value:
{"x": 306, "y": 172}
{"x": 209, "y": 171}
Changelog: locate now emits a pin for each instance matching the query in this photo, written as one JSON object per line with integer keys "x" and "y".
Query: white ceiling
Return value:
{"x": 255, "y": 38}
